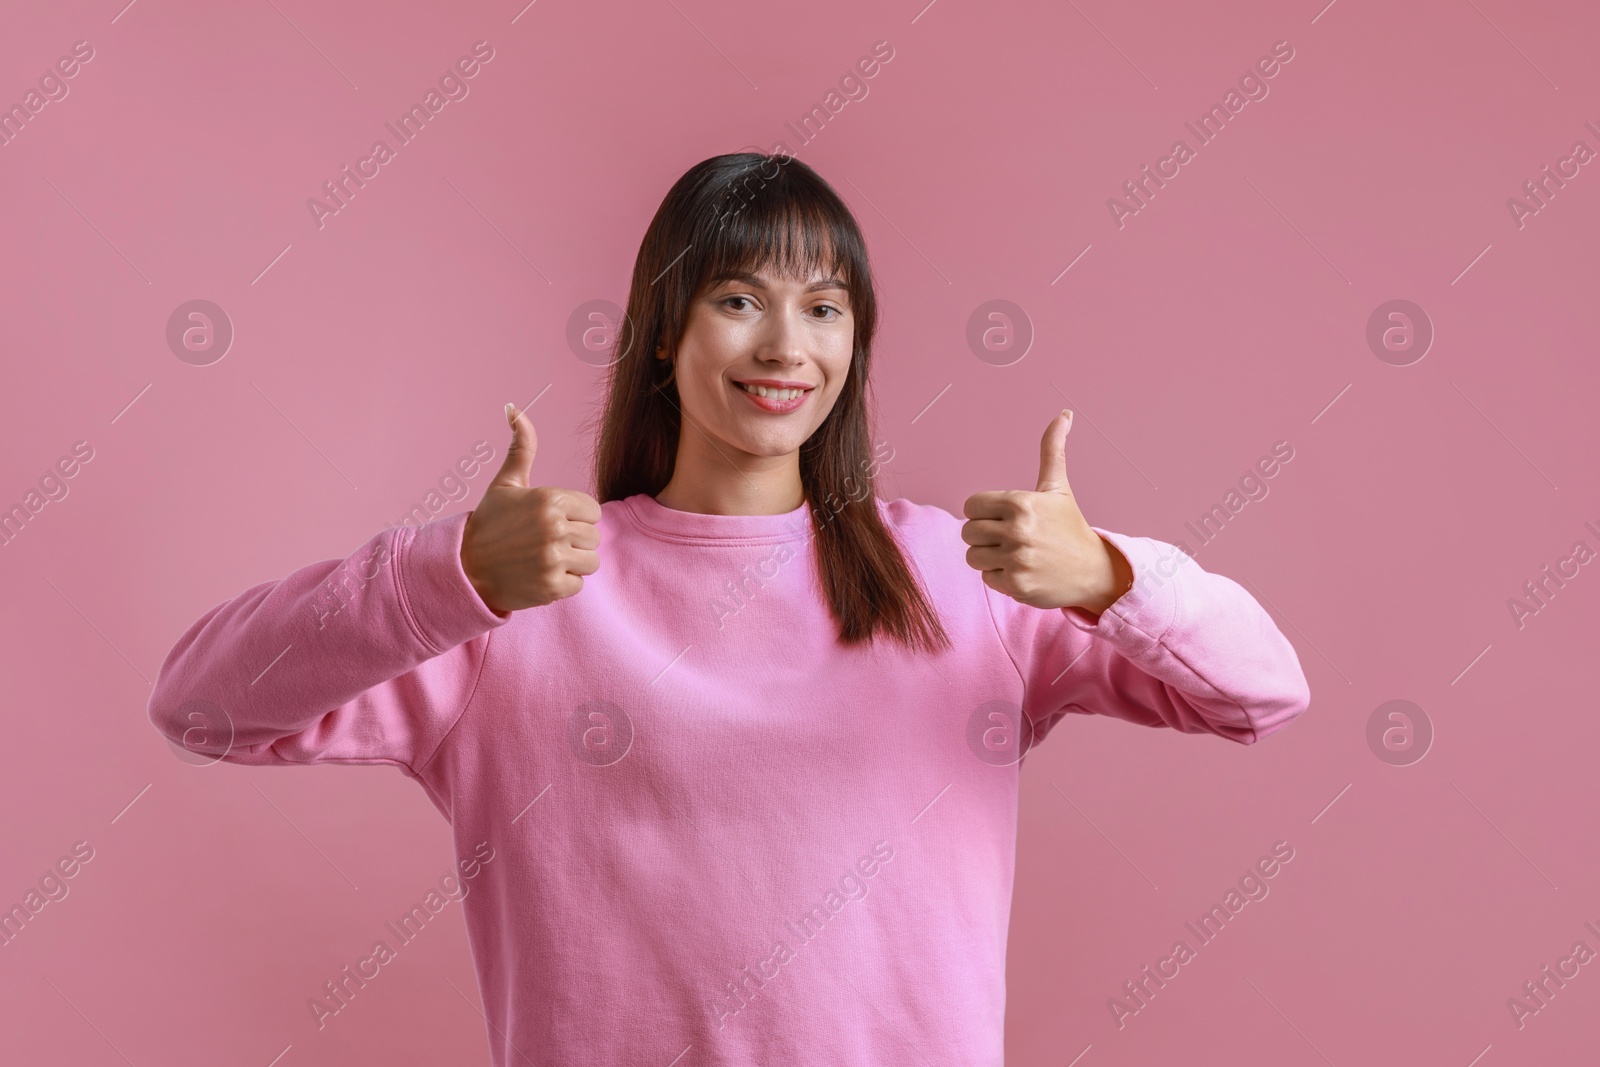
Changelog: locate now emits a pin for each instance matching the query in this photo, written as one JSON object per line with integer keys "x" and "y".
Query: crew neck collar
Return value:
{"x": 693, "y": 527}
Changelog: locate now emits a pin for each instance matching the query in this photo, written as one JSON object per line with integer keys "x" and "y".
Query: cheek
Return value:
{"x": 839, "y": 366}
{"x": 701, "y": 388}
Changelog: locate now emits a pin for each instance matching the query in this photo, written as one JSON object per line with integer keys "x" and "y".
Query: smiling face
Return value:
{"x": 762, "y": 360}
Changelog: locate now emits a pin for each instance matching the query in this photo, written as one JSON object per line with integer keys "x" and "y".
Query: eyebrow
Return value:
{"x": 751, "y": 279}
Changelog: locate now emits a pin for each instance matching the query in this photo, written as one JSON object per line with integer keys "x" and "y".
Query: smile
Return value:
{"x": 777, "y": 399}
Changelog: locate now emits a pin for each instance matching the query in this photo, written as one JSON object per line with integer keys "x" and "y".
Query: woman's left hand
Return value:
{"x": 1036, "y": 547}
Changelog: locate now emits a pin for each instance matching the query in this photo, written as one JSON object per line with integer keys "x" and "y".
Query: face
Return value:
{"x": 789, "y": 338}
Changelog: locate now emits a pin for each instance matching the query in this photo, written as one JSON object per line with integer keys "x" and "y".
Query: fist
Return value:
{"x": 523, "y": 547}
{"x": 1036, "y": 547}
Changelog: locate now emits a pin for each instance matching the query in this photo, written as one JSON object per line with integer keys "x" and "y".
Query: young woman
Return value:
{"x": 731, "y": 748}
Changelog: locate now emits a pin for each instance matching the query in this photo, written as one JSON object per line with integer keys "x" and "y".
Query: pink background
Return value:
{"x": 1225, "y": 316}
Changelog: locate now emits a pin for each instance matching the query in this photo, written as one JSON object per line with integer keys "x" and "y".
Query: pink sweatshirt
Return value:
{"x": 718, "y": 837}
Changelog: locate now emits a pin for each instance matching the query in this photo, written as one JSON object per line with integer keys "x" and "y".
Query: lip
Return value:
{"x": 776, "y": 407}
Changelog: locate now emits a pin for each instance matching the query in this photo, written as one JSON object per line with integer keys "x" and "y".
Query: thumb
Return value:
{"x": 1053, "y": 456}
{"x": 518, "y": 464}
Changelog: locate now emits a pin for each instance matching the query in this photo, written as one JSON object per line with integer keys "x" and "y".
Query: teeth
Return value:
{"x": 774, "y": 394}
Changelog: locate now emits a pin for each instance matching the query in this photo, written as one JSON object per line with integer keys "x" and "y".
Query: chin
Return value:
{"x": 768, "y": 448}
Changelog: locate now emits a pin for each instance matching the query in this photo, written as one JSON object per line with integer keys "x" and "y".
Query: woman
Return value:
{"x": 748, "y": 790}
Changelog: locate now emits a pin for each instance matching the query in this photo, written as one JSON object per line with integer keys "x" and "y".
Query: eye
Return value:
{"x": 727, "y": 299}
{"x": 828, "y": 307}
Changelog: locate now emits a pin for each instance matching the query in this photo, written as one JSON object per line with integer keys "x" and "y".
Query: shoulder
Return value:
{"x": 926, "y": 531}
{"x": 908, "y": 515}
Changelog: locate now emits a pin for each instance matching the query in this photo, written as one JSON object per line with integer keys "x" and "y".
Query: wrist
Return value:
{"x": 1119, "y": 582}
{"x": 472, "y": 579}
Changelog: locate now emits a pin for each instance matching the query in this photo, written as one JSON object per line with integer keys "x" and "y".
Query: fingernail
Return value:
{"x": 511, "y": 418}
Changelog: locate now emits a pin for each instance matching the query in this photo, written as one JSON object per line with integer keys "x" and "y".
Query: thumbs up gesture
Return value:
{"x": 1036, "y": 547}
{"x": 525, "y": 547}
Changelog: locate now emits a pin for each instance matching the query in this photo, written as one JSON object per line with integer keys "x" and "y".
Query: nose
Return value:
{"x": 783, "y": 339}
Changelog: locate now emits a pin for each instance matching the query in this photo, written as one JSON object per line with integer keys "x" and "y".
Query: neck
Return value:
{"x": 720, "y": 480}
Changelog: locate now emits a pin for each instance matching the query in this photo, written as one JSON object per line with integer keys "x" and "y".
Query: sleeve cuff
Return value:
{"x": 442, "y": 604}
{"x": 1141, "y": 616}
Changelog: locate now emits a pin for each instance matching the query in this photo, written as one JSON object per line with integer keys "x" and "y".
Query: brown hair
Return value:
{"x": 733, "y": 214}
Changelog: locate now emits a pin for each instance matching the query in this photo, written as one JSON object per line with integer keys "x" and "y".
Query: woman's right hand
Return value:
{"x": 523, "y": 547}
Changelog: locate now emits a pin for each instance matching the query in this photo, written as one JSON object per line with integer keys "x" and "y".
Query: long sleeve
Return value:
{"x": 1184, "y": 648}
{"x": 369, "y": 659}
